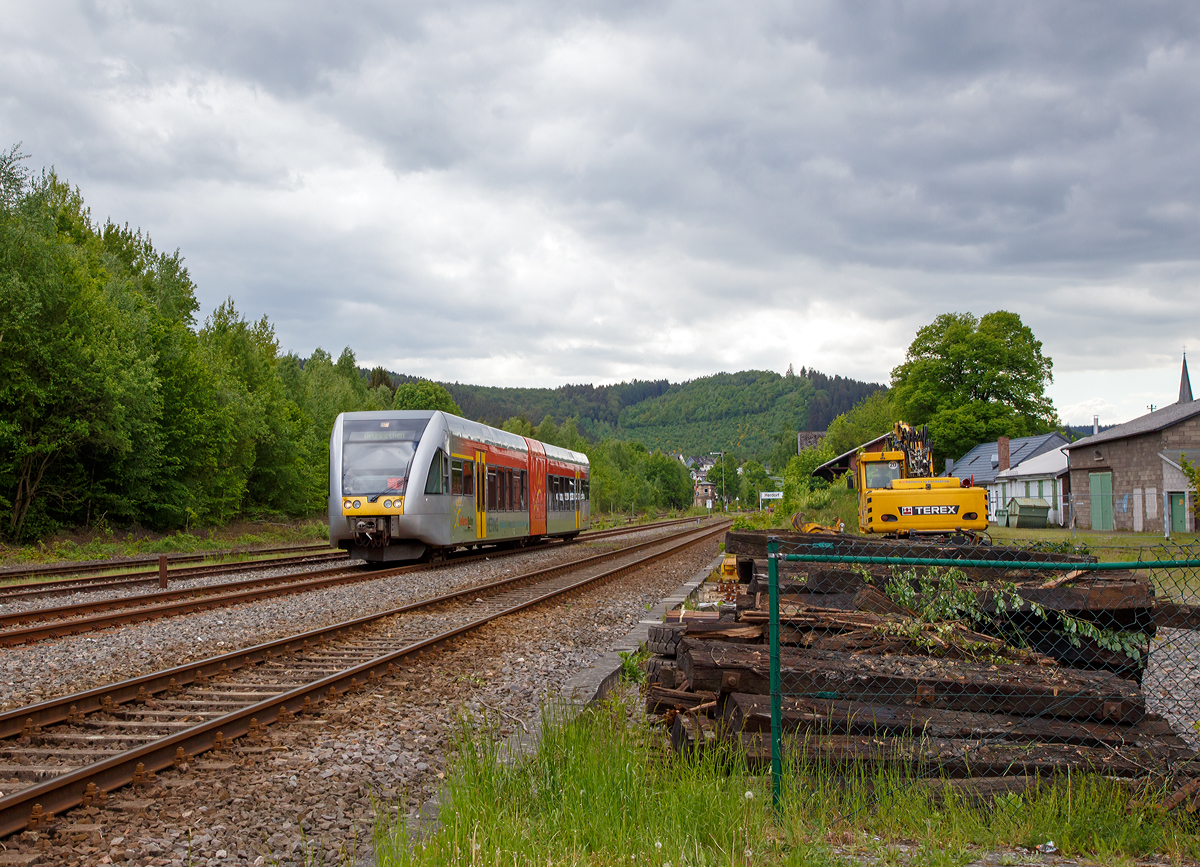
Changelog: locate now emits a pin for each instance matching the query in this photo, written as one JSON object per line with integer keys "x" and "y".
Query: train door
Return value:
{"x": 480, "y": 495}
{"x": 537, "y": 488}
{"x": 578, "y": 495}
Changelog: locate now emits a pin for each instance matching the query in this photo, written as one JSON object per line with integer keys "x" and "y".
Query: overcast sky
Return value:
{"x": 535, "y": 193}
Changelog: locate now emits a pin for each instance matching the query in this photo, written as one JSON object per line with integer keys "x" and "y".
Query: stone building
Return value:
{"x": 1129, "y": 477}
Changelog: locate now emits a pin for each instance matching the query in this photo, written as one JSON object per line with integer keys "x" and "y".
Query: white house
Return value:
{"x": 1041, "y": 476}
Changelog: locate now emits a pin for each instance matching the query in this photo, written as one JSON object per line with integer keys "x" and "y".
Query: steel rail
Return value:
{"x": 56, "y": 621}
{"x": 164, "y": 603}
{"x": 67, "y": 586}
{"x": 57, "y": 710}
{"x": 87, "y": 582}
{"x": 134, "y": 562}
{"x": 84, "y": 785}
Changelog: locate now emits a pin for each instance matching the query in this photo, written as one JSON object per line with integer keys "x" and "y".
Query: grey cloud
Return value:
{"x": 698, "y": 160}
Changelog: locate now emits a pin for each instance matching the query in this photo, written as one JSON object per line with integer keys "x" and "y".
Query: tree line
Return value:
{"x": 117, "y": 408}
{"x": 747, "y": 412}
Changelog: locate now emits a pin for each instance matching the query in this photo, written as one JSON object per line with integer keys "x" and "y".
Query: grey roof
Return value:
{"x": 1151, "y": 422}
{"x": 977, "y": 463}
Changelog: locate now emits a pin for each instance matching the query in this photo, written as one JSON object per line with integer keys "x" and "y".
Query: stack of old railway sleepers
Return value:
{"x": 1122, "y": 601}
{"x": 865, "y": 678}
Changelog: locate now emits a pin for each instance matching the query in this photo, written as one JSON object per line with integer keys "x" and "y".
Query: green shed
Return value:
{"x": 1028, "y": 512}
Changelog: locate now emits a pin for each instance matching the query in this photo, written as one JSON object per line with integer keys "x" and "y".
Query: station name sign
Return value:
{"x": 771, "y": 495}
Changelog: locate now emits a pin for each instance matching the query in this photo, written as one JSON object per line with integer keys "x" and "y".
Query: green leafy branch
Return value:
{"x": 941, "y": 597}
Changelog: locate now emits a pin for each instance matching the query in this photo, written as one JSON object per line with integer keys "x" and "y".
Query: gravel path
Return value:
{"x": 307, "y": 790}
{"x": 1172, "y": 681}
{"x": 35, "y": 672}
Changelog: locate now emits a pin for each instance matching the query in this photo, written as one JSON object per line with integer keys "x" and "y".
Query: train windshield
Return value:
{"x": 377, "y": 454}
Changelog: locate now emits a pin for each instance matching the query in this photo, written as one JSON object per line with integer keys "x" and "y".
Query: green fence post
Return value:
{"x": 776, "y": 699}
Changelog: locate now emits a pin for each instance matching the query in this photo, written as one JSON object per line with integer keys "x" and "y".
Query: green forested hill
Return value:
{"x": 595, "y": 406}
{"x": 746, "y": 413}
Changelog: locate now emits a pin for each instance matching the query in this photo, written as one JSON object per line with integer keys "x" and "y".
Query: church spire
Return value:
{"x": 1185, "y": 384}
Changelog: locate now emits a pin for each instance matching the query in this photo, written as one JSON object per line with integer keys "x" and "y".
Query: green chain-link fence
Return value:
{"x": 971, "y": 661}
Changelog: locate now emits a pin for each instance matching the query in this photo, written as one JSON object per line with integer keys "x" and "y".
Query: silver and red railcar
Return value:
{"x": 404, "y": 484}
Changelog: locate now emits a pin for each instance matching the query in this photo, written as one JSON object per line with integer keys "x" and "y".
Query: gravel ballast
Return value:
{"x": 46, "y": 669}
{"x": 306, "y": 789}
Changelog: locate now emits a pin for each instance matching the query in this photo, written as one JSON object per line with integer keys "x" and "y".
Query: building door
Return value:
{"x": 1178, "y": 514}
{"x": 1100, "y": 491}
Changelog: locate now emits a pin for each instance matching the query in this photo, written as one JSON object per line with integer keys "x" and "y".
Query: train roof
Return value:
{"x": 561, "y": 454}
{"x": 483, "y": 433}
{"x": 476, "y": 431}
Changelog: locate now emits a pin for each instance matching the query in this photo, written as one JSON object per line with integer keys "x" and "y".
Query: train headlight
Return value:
{"x": 346, "y": 505}
{"x": 387, "y": 504}
{"x": 357, "y": 503}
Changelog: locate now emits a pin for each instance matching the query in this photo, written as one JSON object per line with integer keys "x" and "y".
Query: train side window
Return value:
{"x": 524, "y": 482}
{"x": 456, "y": 477}
{"x": 433, "y": 481}
{"x": 553, "y": 486}
{"x": 445, "y": 473}
{"x": 492, "y": 489}
{"x": 502, "y": 490}
{"x": 468, "y": 478}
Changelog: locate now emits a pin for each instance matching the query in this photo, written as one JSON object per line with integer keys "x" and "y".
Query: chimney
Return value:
{"x": 1002, "y": 453}
{"x": 1095, "y": 425}
{"x": 949, "y": 466}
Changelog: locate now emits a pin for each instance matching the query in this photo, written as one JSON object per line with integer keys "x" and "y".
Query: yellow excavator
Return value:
{"x": 898, "y": 494}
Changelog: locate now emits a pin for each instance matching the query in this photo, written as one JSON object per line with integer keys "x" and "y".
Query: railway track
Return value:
{"x": 69, "y": 586}
{"x": 149, "y": 563}
{"x": 36, "y": 624}
{"x": 72, "y": 750}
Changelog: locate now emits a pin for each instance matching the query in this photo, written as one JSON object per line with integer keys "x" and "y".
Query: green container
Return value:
{"x": 1028, "y": 512}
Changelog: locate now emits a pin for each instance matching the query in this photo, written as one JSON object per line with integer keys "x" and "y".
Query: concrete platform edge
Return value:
{"x": 592, "y": 684}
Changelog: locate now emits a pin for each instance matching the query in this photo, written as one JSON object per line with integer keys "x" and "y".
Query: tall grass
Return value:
{"x": 605, "y": 789}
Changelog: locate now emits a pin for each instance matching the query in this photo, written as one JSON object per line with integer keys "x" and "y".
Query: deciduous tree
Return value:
{"x": 424, "y": 394}
{"x": 973, "y": 380}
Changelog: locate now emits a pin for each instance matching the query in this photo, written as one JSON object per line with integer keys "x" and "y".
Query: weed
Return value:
{"x": 633, "y": 665}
